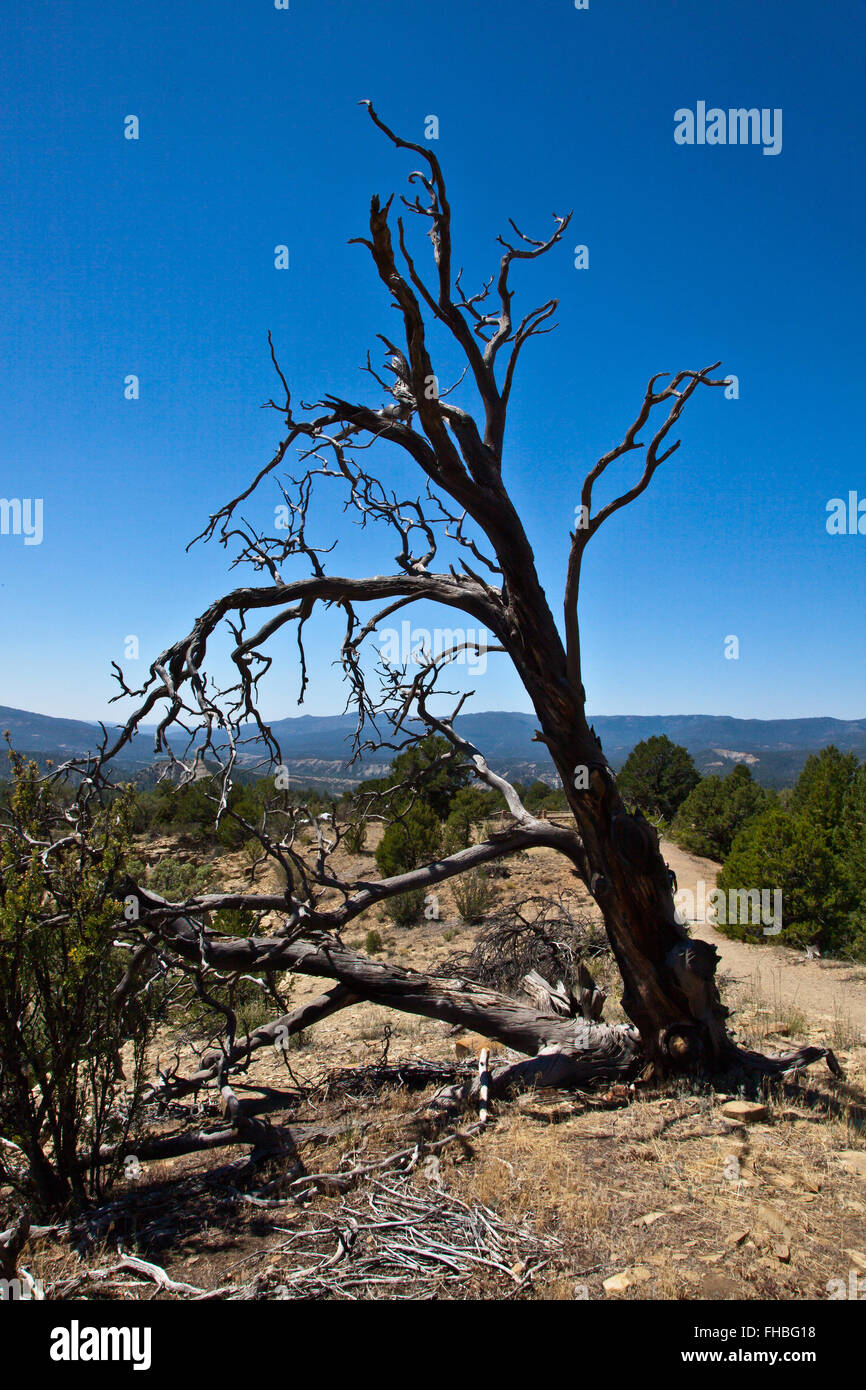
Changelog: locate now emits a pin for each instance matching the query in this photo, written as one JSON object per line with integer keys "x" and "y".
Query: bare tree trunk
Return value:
{"x": 669, "y": 979}
{"x": 669, "y": 986}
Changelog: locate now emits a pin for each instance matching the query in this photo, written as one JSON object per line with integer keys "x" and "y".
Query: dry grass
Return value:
{"x": 662, "y": 1188}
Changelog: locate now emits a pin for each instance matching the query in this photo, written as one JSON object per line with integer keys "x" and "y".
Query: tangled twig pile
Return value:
{"x": 537, "y": 933}
{"x": 397, "y": 1240}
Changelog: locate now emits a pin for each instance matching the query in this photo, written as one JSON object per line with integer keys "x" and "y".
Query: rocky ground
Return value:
{"x": 634, "y": 1194}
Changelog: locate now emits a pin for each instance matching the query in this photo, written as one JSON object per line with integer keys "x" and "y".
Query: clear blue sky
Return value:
{"x": 155, "y": 257}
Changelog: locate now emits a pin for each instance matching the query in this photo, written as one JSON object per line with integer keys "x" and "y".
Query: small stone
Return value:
{"x": 782, "y": 1251}
{"x": 854, "y": 1160}
{"x": 618, "y": 1283}
{"x": 746, "y": 1112}
{"x": 737, "y": 1238}
{"x": 774, "y": 1221}
{"x": 649, "y": 1219}
{"x": 715, "y": 1285}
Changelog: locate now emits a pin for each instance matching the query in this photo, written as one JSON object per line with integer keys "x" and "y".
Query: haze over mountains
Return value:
{"x": 316, "y": 747}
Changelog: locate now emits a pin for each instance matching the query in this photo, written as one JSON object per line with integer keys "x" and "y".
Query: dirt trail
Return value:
{"x": 824, "y": 989}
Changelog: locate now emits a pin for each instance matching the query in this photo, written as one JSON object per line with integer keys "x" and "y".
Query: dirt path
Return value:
{"x": 776, "y": 978}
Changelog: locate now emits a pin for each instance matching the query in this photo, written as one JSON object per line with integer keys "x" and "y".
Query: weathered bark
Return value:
{"x": 278, "y": 1141}
{"x": 596, "y": 1050}
{"x": 669, "y": 979}
{"x": 213, "y": 1062}
{"x": 12, "y": 1242}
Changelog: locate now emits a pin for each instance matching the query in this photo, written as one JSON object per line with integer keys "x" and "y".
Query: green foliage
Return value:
{"x": 851, "y": 847}
{"x": 65, "y": 1090}
{"x": 246, "y": 801}
{"x": 178, "y": 880}
{"x": 406, "y": 909}
{"x": 355, "y": 836}
{"x": 179, "y": 809}
{"x": 812, "y": 846}
{"x": 234, "y": 921}
{"x": 190, "y": 810}
{"x": 456, "y": 835}
{"x": 175, "y": 880}
{"x": 542, "y": 797}
{"x": 413, "y": 840}
{"x": 474, "y": 895}
{"x": 716, "y": 810}
{"x": 470, "y": 806}
{"x": 428, "y": 771}
{"x": 789, "y": 852}
{"x": 658, "y": 776}
{"x": 437, "y": 781}
{"x": 252, "y": 850}
{"x": 372, "y": 942}
{"x": 822, "y": 789}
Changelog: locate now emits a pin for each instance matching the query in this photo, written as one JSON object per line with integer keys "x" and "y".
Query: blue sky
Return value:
{"x": 155, "y": 257}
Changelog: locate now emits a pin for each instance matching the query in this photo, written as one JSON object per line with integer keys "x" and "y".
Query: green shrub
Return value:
{"x": 406, "y": 909}
{"x": 542, "y": 797}
{"x": 355, "y": 836}
{"x": 175, "y": 880}
{"x": 716, "y": 810}
{"x": 65, "y": 1090}
{"x": 413, "y": 840}
{"x": 853, "y": 857}
{"x": 456, "y": 834}
{"x": 252, "y": 850}
{"x": 431, "y": 767}
{"x": 474, "y": 895}
{"x": 789, "y": 853}
{"x": 657, "y": 777}
{"x": 372, "y": 942}
{"x": 812, "y": 847}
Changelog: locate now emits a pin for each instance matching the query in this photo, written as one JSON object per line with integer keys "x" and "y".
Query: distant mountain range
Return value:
{"x": 316, "y": 747}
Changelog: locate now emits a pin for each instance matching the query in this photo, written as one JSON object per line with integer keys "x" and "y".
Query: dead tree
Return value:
{"x": 669, "y": 991}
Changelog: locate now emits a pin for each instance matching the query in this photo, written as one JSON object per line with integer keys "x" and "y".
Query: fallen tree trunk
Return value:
{"x": 592, "y": 1051}
{"x": 277, "y": 1033}
{"x": 12, "y": 1242}
{"x": 273, "y": 1140}
{"x": 600, "y": 1051}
